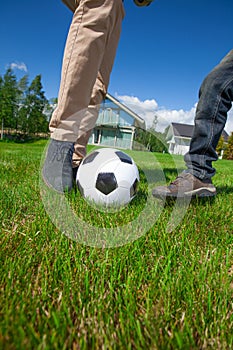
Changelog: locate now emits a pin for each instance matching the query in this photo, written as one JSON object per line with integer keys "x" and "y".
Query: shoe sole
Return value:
{"x": 200, "y": 192}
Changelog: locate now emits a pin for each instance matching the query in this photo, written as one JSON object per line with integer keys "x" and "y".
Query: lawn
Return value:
{"x": 163, "y": 280}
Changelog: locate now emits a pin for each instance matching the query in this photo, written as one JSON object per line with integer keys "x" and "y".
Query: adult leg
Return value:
{"x": 101, "y": 84}
{"x": 215, "y": 100}
{"x": 83, "y": 57}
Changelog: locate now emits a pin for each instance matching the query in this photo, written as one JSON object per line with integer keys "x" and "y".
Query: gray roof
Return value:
{"x": 186, "y": 130}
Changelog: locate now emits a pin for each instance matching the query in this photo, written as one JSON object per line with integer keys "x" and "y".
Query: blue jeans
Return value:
{"x": 215, "y": 100}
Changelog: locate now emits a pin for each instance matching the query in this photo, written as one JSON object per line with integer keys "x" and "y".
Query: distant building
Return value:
{"x": 179, "y": 137}
{"x": 116, "y": 124}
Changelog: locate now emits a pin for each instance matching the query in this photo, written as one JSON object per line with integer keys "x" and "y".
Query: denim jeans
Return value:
{"x": 215, "y": 100}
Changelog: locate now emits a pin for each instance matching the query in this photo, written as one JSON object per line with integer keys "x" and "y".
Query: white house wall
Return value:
{"x": 179, "y": 145}
{"x": 180, "y": 149}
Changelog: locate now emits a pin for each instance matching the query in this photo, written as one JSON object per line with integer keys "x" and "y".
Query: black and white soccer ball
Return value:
{"x": 108, "y": 177}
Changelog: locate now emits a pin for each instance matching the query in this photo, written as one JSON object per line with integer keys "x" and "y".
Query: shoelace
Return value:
{"x": 178, "y": 179}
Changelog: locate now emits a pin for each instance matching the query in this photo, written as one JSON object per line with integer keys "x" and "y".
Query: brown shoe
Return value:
{"x": 185, "y": 185}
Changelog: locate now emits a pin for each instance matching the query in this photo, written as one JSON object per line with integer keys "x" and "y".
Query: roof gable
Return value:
{"x": 138, "y": 121}
{"x": 186, "y": 130}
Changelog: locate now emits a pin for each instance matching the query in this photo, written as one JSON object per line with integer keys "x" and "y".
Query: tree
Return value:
{"x": 228, "y": 153}
{"x": 23, "y": 107}
{"x": 220, "y": 146}
{"x": 33, "y": 118}
{"x": 50, "y": 107}
{"x": 8, "y": 98}
{"x": 1, "y": 119}
{"x": 153, "y": 141}
{"x": 156, "y": 141}
{"x": 21, "y": 97}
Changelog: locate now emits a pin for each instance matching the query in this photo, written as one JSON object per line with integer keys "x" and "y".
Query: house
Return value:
{"x": 179, "y": 137}
{"x": 116, "y": 125}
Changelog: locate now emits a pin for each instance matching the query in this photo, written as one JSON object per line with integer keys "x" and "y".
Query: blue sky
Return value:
{"x": 164, "y": 53}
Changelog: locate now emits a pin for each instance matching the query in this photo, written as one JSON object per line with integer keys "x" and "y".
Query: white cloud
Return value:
{"x": 134, "y": 101}
{"x": 149, "y": 108}
{"x": 19, "y": 65}
{"x": 145, "y": 109}
{"x": 167, "y": 116}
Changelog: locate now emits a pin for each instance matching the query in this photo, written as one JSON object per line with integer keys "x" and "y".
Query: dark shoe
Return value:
{"x": 57, "y": 169}
{"x": 185, "y": 185}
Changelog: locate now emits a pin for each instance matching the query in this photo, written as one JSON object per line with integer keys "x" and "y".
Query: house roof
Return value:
{"x": 186, "y": 130}
{"x": 139, "y": 122}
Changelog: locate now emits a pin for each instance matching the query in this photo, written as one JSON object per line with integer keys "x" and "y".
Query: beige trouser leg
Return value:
{"x": 88, "y": 59}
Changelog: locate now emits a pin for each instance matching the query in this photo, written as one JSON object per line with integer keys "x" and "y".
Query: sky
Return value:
{"x": 164, "y": 53}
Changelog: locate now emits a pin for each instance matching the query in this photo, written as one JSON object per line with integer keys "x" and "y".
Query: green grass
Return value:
{"x": 169, "y": 289}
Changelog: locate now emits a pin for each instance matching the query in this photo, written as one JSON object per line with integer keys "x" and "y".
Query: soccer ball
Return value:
{"x": 108, "y": 177}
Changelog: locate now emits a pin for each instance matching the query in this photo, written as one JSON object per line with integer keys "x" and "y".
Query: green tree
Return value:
{"x": 228, "y": 153}
{"x": 33, "y": 118}
{"x": 50, "y": 107}
{"x": 152, "y": 140}
{"x": 220, "y": 146}
{"x": 157, "y": 141}
{"x": 21, "y": 98}
{"x": 1, "y": 120}
{"x": 8, "y": 100}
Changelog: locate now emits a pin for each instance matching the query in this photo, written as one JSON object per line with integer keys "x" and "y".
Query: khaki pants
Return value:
{"x": 87, "y": 63}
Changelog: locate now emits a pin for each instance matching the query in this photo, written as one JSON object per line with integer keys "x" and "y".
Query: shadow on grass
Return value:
{"x": 21, "y": 138}
{"x": 224, "y": 189}
{"x": 158, "y": 175}
{"x": 170, "y": 201}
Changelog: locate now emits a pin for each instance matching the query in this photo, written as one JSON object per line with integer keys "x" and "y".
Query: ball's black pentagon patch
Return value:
{"x": 133, "y": 189}
{"x": 124, "y": 157}
{"x": 90, "y": 157}
{"x": 106, "y": 183}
